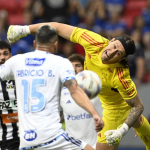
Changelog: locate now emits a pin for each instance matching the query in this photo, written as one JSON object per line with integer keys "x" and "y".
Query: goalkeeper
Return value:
{"x": 122, "y": 107}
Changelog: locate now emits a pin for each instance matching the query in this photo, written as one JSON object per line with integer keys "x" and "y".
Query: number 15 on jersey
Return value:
{"x": 34, "y": 95}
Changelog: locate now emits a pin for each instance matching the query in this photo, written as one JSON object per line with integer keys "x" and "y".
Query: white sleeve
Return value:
{"x": 67, "y": 71}
{"x": 6, "y": 71}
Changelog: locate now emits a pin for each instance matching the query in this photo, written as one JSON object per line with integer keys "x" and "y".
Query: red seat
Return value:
{"x": 132, "y": 9}
{"x": 135, "y": 4}
{"x": 128, "y": 20}
{"x": 15, "y": 19}
{"x": 9, "y": 5}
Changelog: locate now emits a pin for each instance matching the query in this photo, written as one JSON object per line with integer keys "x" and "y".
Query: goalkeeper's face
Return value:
{"x": 113, "y": 53}
{"x": 4, "y": 55}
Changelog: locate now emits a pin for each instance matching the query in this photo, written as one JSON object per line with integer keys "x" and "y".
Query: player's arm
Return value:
{"x": 136, "y": 110}
{"x": 63, "y": 30}
{"x": 83, "y": 101}
{"x": 92, "y": 42}
{"x": 126, "y": 87}
{"x": 15, "y": 32}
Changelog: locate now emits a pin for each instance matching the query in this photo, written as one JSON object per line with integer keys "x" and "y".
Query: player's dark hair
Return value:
{"x": 46, "y": 34}
{"x": 131, "y": 48}
{"x": 5, "y": 45}
{"x": 77, "y": 57}
{"x": 128, "y": 44}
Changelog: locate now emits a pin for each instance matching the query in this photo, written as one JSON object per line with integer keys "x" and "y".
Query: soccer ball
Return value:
{"x": 90, "y": 82}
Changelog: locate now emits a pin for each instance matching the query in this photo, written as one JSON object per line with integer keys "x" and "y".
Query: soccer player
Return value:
{"x": 39, "y": 76}
{"x": 77, "y": 120}
{"x": 122, "y": 107}
{"x": 9, "y": 139}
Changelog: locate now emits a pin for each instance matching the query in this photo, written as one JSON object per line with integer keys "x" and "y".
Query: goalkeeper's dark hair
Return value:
{"x": 46, "y": 34}
{"x": 77, "y": 57}
{"x": 5, "y": 45}
{"x": 131, "y": 49}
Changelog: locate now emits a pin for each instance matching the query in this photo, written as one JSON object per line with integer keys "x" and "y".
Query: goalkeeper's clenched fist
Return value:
{"x": 113, "y": 137}
{"x": 16, "y": 32}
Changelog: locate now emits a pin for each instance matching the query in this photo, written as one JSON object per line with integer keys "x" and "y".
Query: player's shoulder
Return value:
{"x": 121, "y": 74}
{"x": 122, "y": 71}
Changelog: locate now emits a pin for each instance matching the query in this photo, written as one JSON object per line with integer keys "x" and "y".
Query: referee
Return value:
{"x": 9, "y": 139}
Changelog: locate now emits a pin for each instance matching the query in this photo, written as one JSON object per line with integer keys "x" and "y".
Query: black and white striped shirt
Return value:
{"x": 8, "y": 111}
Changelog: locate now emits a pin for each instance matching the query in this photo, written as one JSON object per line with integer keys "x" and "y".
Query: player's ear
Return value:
{"x": 56, "y": 44}
{"x": 111, "y": 40}
{"x": 34, "y": 43}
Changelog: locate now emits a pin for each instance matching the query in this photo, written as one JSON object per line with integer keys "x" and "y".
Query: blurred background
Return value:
{"x": 109, "y": 18}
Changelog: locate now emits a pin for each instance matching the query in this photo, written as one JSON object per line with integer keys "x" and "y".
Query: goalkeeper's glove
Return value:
{"x": 16, "y": 32}
{"x": 113, "y": 137}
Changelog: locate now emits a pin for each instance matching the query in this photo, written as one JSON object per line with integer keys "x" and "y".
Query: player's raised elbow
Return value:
{"x": 142, "y": 108}
{"x": 71, "y": 85}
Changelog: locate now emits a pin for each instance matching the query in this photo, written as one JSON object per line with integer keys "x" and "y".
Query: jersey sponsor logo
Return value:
{"x": 79, "y": 117}
{"x": 9, "y": 118}
{"x": 68, "y": 102}
{"x": 30, "y": 135}
{"x": 11, "y": 104}
{"x": 34, "y": 61}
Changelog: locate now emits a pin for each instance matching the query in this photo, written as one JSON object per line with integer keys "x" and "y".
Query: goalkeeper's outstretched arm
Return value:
{"x": 63, "y": 30}
{"x": 16, "y": 32}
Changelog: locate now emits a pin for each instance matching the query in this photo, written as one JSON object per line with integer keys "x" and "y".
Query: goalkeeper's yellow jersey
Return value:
{"x": 117, "y": 85}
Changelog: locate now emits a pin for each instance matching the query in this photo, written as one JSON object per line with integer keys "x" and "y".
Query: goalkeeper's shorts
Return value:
{"x": 112, "y": 119}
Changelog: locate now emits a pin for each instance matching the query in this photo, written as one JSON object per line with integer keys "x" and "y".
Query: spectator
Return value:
{"x": 115, "y": 6}
{"x": 76, "y": 12}
{"x": 20, "y": 47}
{"x": 98, "y": 8}
{"x": 27, "y": 20}
{"x": 137, "y": 61}
{"x": 55, "y": 10}
{"x": 146, "y": 41}
{"x": 115, "y": 26}
{"x": 3, "y": 24}
{"x": 138, "y": 23}
{"x": 85, "y": 3}
{"x": 68, "y": 49}
{"x": 89, "y": 23}
{"x": 146, "y": 14}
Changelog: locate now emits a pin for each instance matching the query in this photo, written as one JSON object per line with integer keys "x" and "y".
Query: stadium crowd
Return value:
{"x": 109, "y": 18}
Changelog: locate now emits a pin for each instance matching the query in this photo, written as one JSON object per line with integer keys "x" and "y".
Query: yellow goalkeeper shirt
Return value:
{"x": 117, "y": 85}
